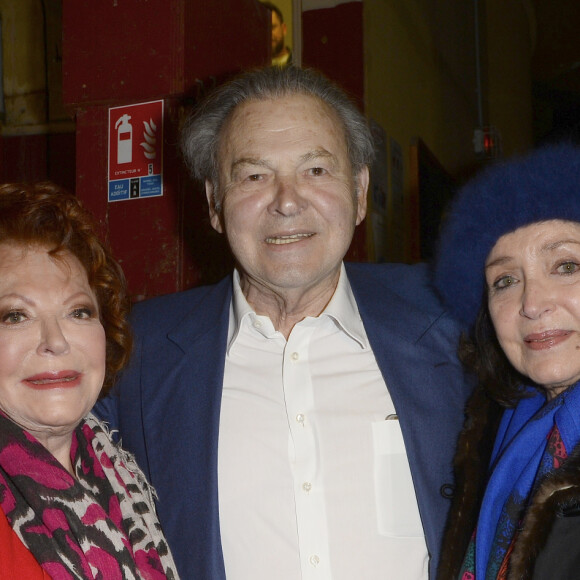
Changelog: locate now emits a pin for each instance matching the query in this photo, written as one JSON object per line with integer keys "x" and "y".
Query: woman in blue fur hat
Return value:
{"x": 508, "y": 265}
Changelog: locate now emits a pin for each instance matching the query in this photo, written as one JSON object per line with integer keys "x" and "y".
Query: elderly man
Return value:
{"x": 298, "y": 419}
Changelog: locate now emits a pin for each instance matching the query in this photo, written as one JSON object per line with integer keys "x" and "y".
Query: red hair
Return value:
{"x": 43, "y": 214}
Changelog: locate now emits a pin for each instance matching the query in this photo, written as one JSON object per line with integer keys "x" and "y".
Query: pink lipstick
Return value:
{"x": 546, "y": 340}
{"x": 57, "y": 380}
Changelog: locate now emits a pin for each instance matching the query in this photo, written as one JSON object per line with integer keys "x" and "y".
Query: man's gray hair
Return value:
{"x": 201, "y": 133}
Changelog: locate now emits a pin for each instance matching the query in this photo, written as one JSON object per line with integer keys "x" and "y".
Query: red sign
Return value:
{"x": 136, "y": 140}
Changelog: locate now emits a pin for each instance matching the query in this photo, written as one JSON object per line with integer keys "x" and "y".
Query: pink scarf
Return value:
{"x": 101, "y": 525}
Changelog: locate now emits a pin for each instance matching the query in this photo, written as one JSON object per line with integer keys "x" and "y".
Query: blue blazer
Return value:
{"x": 166, "y": 405}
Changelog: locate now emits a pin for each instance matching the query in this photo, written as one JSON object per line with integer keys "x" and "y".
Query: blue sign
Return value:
{"x": 118, "y": 190}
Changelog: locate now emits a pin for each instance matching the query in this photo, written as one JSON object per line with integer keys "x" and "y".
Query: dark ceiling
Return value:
{"x": 556, "y": 69}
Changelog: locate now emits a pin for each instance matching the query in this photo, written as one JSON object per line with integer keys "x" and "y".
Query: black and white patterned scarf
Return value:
{"x": 100, "y": 526}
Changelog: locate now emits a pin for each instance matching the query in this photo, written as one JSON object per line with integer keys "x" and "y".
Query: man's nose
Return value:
{"x": 288, "y": 199}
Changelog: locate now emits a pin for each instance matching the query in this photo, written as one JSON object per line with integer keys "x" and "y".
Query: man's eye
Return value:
{"x": 317, "y": 171}
{"x": 255, "y": 177}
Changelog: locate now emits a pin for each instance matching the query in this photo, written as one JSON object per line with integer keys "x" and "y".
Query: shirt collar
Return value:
{"x": 342, "y": 309}
{"x": 239, "y": 310}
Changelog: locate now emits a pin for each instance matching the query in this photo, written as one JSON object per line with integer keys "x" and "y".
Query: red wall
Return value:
{"x": 130, "y": 52}
{"x": 39, "y": 158}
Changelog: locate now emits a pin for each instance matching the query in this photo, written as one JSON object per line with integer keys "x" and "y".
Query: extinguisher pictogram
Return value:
{"x": 124, "y": 139}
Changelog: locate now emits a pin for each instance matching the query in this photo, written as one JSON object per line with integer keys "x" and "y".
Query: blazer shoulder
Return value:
{"x": 410, "y": 283}
{"x": 163, "y": 313}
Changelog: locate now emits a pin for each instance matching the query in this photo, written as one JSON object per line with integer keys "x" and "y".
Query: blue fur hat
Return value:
{"x": 543, "y": 185}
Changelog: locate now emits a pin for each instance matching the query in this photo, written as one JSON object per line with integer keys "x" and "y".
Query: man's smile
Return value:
{"x": 290, "y": 239}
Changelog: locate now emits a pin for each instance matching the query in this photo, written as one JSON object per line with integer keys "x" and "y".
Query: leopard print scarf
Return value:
{"x": 100, "y": 526}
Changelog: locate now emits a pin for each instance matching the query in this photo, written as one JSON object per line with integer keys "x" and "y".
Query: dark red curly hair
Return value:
{"x": 43, "y": 214}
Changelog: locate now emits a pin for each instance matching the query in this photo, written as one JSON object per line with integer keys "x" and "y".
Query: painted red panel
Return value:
{"x": 24, "y": 158}
{"x": 333, "y": 43}
{"x": 224, "y": 37}
{"x": 114, "y": 49}
{"x": 124, "y": 50}
{"x": 61, "y": 159}
{"x": 38, "y": 158}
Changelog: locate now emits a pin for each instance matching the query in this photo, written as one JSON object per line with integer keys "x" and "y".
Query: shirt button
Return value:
{"x": 294, "y": 356}
{"x": 314, "y": 560}
{"x": 306, "y": 486}
{"x": 300, "y": 419}
{"x": 257, "y": 324}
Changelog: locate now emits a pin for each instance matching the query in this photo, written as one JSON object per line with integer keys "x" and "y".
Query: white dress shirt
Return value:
{"x": 314, "y": 481}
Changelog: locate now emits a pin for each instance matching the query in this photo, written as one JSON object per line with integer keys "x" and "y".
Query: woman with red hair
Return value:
{"x": 72, "y": 503}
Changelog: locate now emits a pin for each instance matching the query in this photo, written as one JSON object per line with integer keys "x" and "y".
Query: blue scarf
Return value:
{"x": 519, "y": 460}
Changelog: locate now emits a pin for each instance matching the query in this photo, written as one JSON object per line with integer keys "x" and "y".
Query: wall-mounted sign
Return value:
{"x": 136, "y": 151}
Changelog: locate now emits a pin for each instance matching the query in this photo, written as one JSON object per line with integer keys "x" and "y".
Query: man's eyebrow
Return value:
{"x": 249, "y": 161}
{"x": 257, "y": 162}
{"x": 318, "y": 154}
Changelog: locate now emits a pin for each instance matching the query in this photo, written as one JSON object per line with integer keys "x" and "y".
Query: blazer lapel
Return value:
{"x": 414, "y": 344}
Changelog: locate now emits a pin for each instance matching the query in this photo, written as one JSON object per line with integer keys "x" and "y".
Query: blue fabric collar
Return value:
{"x": 519, "y": 448}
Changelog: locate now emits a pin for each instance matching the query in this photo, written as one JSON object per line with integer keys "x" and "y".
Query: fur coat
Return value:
{"x": 548, "y": 545}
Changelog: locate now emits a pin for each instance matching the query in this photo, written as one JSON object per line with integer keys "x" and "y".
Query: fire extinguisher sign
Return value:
{"x": 136, "y": 151}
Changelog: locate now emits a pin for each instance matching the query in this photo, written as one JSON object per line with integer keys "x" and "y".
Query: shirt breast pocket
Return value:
{"x": 396, "y": 503}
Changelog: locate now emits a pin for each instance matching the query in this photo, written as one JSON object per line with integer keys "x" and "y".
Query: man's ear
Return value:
{"x": 214, "y": 214}
{"x": 362, "y": 185}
